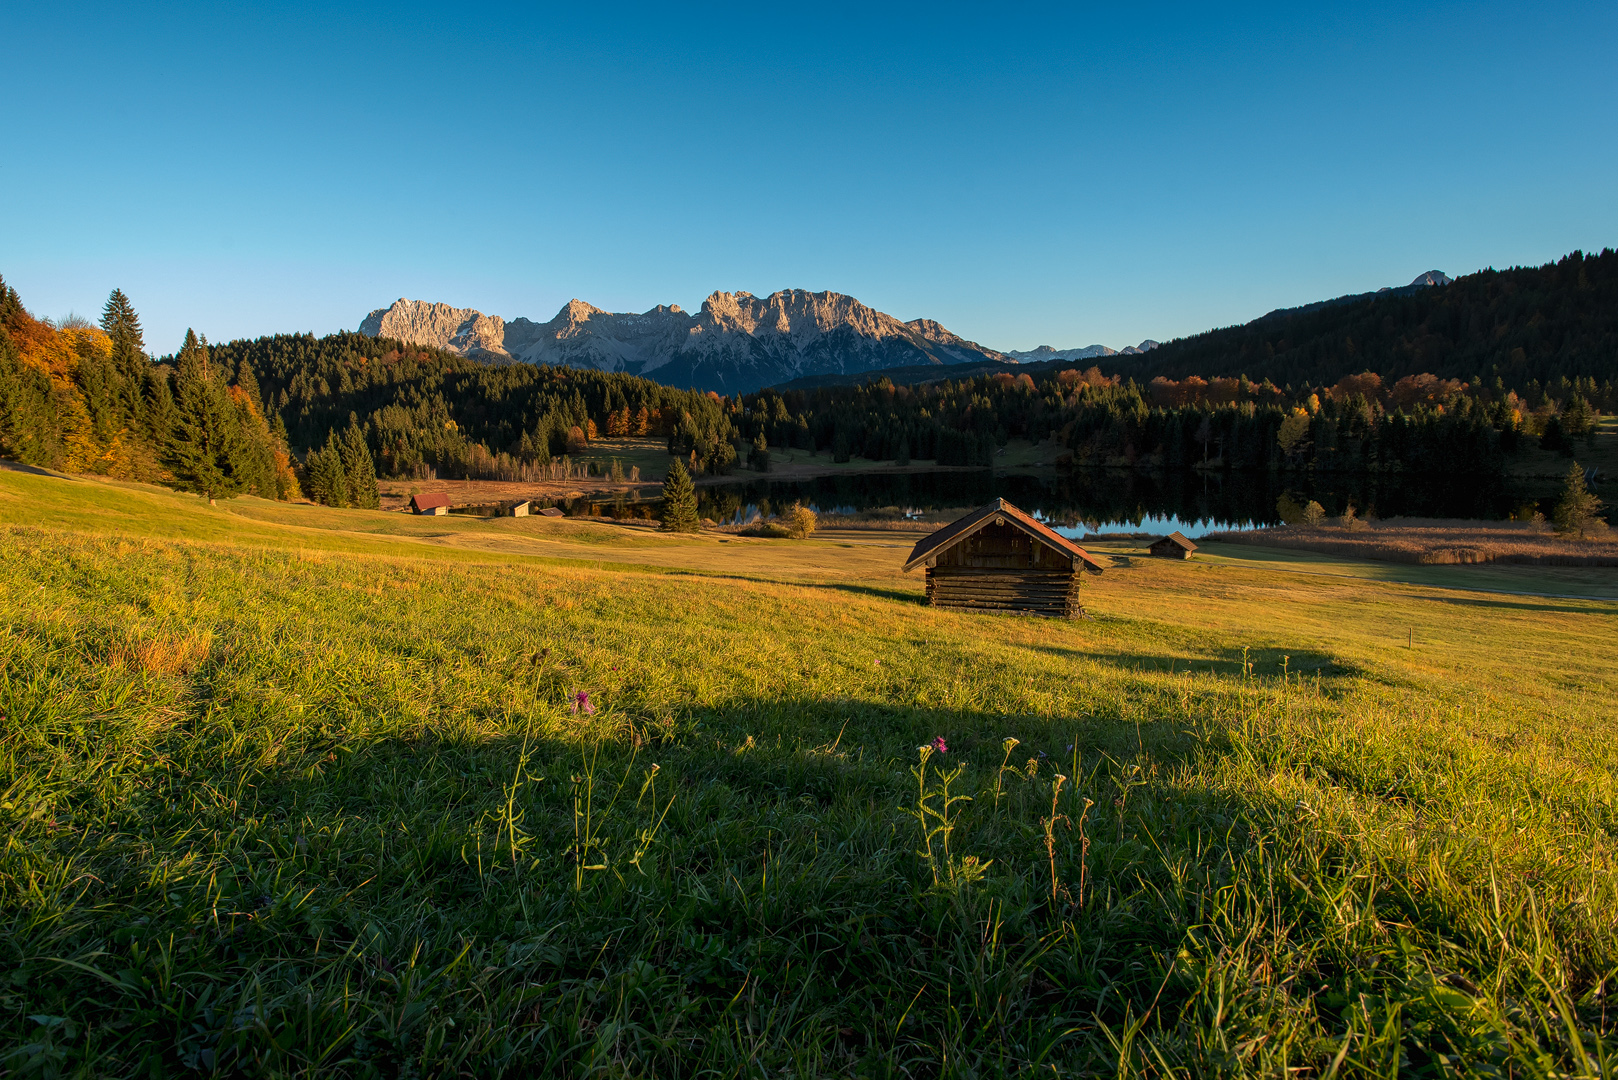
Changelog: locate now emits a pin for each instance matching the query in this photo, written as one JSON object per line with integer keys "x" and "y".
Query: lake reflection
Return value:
{"x": 1095, "y": 501}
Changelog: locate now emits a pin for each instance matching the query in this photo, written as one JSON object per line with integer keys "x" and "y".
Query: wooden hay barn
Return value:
{"x": 1172, "y": 546}
{"x": 435, "y": 503}
{"x": 998, "y": 558}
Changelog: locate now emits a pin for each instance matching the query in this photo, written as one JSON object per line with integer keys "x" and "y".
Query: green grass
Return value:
{"x": 291, "y": 791}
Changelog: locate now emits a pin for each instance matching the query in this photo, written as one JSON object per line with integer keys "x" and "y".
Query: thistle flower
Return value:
{"x": 581, "y": 702}
{"x": 938, "y": 745}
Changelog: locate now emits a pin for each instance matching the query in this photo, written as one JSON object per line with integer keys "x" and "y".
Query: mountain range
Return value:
{"x": 741, "y": 342}
{"x": 738, "y": 343}
{"x": 1089, "y": 352}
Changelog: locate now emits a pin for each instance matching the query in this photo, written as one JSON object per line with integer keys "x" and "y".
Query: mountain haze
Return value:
{"x": 738, "y": 343}
{"x": 1088, "y": 352}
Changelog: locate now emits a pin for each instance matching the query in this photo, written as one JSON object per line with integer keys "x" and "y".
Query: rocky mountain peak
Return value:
{"x": 739, "y": 342}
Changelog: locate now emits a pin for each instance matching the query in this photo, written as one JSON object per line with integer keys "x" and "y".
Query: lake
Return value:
{"x": 1100, "y": 501}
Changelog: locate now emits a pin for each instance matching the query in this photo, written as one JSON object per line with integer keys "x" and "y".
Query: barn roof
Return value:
{"x": 1177, "y": 540}
{"x": 999, "y": 509}
{"x": 430, "y": 500}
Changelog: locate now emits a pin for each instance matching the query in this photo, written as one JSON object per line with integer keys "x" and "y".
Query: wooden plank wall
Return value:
{"x": 1002, "y": 568}
{"x": 1043, "y": 592}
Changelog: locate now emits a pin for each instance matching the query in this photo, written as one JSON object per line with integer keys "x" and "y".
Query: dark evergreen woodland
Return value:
{"x": 422, "y": 409}
{"x": 1530, "y": 327}
{"x": 1451, "y": 378}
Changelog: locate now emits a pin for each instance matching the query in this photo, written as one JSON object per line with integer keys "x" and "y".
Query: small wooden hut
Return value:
{"x": 997, "y": 558}
{"x": 1172, "y": 546}
{"x": 435, "y": 503}
{"x": 520, "y": 509}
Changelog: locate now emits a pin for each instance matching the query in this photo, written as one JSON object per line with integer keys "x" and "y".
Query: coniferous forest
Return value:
{"x": 1529, "y": 327}
{"x": 1454, "y": 378}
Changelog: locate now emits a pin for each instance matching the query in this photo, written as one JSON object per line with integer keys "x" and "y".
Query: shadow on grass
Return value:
{"x": 1529, "y": 605}
{"x": 784, "y": 892}
{"x": 33, "y": 470}
{"x": 903, "y": 596}
{"x": 1262, "y": 662}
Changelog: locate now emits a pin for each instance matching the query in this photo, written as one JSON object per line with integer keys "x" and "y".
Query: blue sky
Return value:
{"x": 1061, "y": 175}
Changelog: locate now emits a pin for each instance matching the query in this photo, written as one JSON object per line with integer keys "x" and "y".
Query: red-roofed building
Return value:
{"x": 435, "y": 503}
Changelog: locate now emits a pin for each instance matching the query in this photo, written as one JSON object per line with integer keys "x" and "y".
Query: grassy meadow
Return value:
{"x": 291, "y": 791}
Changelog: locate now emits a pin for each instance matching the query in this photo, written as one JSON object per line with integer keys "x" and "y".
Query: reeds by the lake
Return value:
{"x": 1437, "y": 543}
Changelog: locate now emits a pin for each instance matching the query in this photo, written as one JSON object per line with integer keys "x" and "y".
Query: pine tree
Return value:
{"x": 30, "y": 431}
{"x": 10, "y": 304}
{"x": 249, "y": 384}
{"x": 1579, "y": 511}
{"x": 207, "y": 451}
{"x": 327, "y": 482}
{"x": 121, "y": 323}
{"x": 679, "y": 500}
{"x": 263, "y": 468}
{"x": 359, "y": 471}
{"x": 129, "y": 358}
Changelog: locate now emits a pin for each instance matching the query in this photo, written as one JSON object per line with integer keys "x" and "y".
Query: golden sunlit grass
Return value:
{"x": 162, "y": 655}
{"x": 298, "y": 791}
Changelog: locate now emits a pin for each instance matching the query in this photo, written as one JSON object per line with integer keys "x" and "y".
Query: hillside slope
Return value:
{"x": 1529, "y": 324}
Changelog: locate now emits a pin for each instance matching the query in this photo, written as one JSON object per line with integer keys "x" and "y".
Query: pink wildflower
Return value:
{"x": 938, "y": 745}
{"x": 581, "y": 702}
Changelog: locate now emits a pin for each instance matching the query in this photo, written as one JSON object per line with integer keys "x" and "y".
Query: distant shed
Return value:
{"x": 520, "y": 509}
{"x": 435, "y": 503}
{"x": 1172, "y": 546}
{"x": 551, "y": 511}
{"x": 998, "y": 558}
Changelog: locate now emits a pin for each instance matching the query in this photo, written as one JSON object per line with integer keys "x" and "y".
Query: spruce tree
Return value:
{"x": 121, "y": 323}
{"x": 30, "y": 430}
{"x": 679, "y": 500}
{"x": 10, "y": 304}
{"x": 1579, "y": 511}
{"x": 249, "y": 384}
{"x": 327, "y": 483}
{"x": 207, "y": 451}
{"x": 260, "y": 469}
{"x": 359, "y": 471}
{"x": 129, "y": 358}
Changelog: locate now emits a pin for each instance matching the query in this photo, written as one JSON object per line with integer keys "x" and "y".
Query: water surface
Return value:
{"x": 1089, "y": 502}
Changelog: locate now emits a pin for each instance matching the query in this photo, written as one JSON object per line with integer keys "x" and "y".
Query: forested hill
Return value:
{"x": 1527, "y": 326}
{"x": 291, "y": 414}
{"x": 423, "y": 408}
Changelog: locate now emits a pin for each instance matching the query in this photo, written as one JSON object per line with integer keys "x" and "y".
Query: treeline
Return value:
{"x": 1360, "y": 422}
{"x": 85, "y": 398}
{"x": 1531, "y": 327}
{"x": 293, "y": 414}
